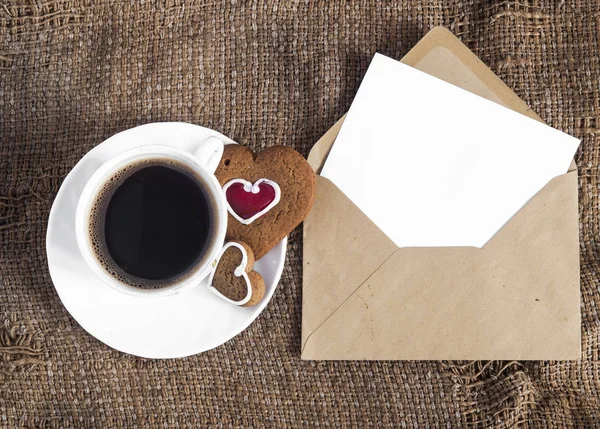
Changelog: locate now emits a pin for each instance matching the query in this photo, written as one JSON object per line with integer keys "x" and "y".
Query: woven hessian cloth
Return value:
{"x": 72, "y": 73}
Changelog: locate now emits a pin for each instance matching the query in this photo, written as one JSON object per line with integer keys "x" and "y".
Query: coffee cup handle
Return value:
{"x": 209, "y": 152}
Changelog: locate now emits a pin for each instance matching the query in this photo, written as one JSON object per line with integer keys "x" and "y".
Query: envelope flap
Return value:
{"x": 343, "y": 247}
{"x": 441, "y": 303}
{"x": 441, "y": 54}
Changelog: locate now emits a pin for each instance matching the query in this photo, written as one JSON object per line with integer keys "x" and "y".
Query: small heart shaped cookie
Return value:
{"x": 233, "y": 279}
{"x": 268, "y": 194}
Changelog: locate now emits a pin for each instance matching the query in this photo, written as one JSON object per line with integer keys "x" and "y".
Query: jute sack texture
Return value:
{"x": 74, "y": 72}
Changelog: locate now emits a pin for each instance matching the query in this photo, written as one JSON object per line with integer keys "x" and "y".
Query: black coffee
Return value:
{"x": 151, "y": 223}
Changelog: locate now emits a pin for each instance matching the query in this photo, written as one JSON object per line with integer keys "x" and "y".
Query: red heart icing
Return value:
{"x": 246, "y": 203}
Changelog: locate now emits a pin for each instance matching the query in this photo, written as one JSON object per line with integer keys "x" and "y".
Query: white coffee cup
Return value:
{"x": 203, "y": 162}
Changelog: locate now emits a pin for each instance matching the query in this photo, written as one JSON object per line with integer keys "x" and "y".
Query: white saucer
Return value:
{"x": 190, "y": 322}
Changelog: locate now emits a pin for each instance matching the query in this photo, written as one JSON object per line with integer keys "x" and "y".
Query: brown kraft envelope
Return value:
{"x": 517, "y": 298}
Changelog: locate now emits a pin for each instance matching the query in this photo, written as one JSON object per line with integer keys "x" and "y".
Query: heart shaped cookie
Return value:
{"x": 268, "y": 194}
{"x": 233, "y": 279}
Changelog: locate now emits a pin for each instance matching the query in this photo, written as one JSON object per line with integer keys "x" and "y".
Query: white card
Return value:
{"x": 434, "y": 165}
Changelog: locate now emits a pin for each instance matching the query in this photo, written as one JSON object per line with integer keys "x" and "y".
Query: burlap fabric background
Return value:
{"x": 74, "y": 72}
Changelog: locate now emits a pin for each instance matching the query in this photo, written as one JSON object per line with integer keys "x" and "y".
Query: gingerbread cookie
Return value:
{"x": 268, "y": 194}
{"x": 233, "y": 278}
